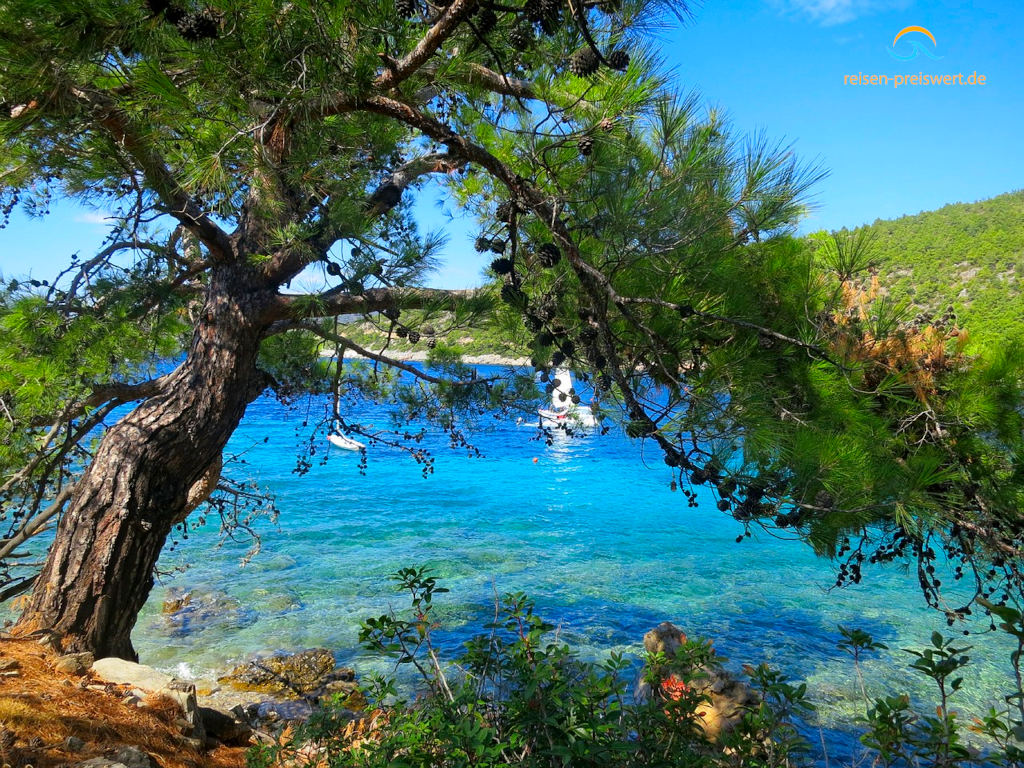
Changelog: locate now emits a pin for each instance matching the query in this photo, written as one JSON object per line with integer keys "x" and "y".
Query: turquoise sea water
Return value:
{"x": 591, "y": 531}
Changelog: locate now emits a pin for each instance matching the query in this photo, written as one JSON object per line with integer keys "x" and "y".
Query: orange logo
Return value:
{"x": 917, "y": 48}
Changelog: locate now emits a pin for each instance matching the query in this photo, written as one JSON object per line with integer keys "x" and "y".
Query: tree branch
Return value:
{"x": 389, "y": 192}
{"x": 35, "y": 525}
{"x": 496, "y": 82}
{"x": 389, "y": 361}
{"x": 176, "y": 200}
{"x": 289, "y": 262}
{"x": 126, "y": 393}
{"x": 339, "y": 302}
{"x": 443, "y": 28}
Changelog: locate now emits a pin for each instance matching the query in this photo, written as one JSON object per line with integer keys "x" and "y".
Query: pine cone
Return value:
{"x": 504, "y": 211}
{"x": 549, "y": 255}
{"x": 513, "y": 296}
{"x": 174, "y": 14}
{"x": 585, "y": 145}
{"x": 198, "y": 26}
{"x": 406, "y": 8}
{"x": 401, "y": 331}
{"x": 584, "y": 62}
{"x": 502, "y": 266}
{"x": 551, "y": 9}
{"x": 486, "y": 20}
{"x": 156, "y": 7}
{"x": 521, "y": 37}
{"x": 618, "y": 60}
{"x": 482, "y": 244}
{"x": 497, "y": 245}
{"x": 414, "y": 337}
{"x": 544, "y": 12}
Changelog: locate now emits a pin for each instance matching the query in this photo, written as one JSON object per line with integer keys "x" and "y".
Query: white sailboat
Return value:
{"x": 563, "y": 410}
{"x": 345, "y": 443}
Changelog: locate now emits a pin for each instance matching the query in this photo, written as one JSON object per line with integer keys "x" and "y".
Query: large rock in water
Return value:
{"x": 296, "y": 674}
{"x": 186, "y": 612}
{"x": 726, "y": 697}
{"x": 665, "y": 638}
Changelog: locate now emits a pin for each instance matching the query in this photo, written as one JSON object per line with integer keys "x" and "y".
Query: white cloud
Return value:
{"x": 93, "y": 217}
{"x": 831, "y": 12}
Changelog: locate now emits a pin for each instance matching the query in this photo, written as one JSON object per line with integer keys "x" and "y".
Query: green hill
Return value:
{"x": 970, "y": 255}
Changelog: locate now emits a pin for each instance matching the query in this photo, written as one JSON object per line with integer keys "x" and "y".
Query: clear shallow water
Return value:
{"x": 591, "y": 531}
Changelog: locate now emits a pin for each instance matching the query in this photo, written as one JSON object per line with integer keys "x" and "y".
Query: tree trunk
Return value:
{"x": 99, "y": 570}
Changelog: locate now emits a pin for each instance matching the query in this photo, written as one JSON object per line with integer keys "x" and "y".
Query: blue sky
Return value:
{"x": 777, "y": 66}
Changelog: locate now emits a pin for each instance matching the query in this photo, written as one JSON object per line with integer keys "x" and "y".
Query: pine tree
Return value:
{"x": 242, "y": 144}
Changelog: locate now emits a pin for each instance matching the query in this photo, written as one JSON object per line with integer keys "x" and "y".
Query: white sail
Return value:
{"x": 561, "y": 397}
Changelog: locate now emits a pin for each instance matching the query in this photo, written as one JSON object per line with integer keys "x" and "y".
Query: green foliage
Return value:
{"x": 647, "y": 246}
{"x": 53, "y": 359}
{"x": 901, "y": 734}
{"x": 966, "y": 256}
{"x": 519, "y": 697}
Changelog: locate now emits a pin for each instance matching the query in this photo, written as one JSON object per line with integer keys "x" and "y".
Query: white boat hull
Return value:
{"x": 345, "y": 443}
{"x": 577, "y": 417}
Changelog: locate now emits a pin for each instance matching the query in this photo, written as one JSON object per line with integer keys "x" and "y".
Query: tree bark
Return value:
{"x": 99, "y": 570}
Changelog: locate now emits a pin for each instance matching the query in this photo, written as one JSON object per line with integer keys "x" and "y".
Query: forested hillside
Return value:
{"x": 968, "y": 255}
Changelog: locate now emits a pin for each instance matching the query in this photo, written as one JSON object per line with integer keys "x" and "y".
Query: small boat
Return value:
{"x": 345, "y": 443}
{"x": 563, "y": 410}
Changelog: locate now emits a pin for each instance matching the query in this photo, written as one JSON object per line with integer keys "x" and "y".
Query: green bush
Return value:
{"x": 518, "y": 697}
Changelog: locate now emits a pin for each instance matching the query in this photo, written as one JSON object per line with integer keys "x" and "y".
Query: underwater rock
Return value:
{"x": 187, "y": 611}
{"x": 725, "y": 697}
{"x": 277, "y": 601}
{"x": 296, "y": 674}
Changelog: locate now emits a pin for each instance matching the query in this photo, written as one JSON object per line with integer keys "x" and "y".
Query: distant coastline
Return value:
{"x": 420, "y": 356}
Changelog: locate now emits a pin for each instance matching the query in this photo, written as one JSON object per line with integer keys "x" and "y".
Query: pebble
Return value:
{"x": 74, "y": 663}
{"x": 73, "y": 744}
{"x": 133, "y": 757}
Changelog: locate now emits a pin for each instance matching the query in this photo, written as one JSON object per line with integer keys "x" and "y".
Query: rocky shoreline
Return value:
{"x": 151, "y": 719}
{"x": 255, "y": 700}
{"x": 252, "y": 702}
{"x": 420, "y": 356}
{"x": 249, "y": 704}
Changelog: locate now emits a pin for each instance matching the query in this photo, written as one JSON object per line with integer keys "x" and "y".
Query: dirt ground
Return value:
{"x": 42, "y": 710}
